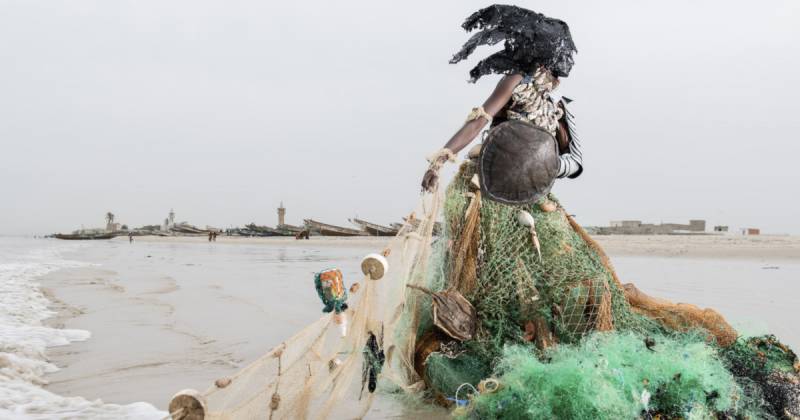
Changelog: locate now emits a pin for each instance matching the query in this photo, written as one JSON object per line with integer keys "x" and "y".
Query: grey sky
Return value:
{"x": 220, "y": 110}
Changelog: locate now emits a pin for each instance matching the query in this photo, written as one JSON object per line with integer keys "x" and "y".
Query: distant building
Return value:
{"x": 169, "y": 222}
{"x": 636, "y": 227}
{"x": 626, "y": 224}
{"x": 751, "y": 231}
{"x": 720, "y": 229}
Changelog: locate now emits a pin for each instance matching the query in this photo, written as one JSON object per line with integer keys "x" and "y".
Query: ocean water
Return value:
{"x": 756, "y": 296}
{"x": 24, "y": 341}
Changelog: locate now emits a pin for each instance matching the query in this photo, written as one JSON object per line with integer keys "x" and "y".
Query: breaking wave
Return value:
{"x": 24, "y": 340}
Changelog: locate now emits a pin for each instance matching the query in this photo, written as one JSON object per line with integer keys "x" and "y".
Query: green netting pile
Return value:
{"x": 611, "y": 376}
{"x": 559, "y": 334}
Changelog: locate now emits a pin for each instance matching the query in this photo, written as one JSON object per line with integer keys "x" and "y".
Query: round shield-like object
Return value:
{"x": 518, "y": 163}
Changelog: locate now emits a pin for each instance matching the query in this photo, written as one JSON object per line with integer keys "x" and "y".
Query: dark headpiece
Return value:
{"x": 531, "y": 40}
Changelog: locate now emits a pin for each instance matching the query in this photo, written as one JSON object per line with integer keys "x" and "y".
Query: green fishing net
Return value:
{"x": 565, "y": 286}
{"x": 577, "y": 371}
{"x": 611, "y": 376}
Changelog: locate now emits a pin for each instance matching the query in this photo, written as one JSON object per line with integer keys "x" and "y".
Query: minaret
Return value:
{"x": 171, "y": 217}
{"x": 281, "y": 215}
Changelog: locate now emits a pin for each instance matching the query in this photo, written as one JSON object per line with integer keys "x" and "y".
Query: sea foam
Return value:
{"x": 24, "y": 340}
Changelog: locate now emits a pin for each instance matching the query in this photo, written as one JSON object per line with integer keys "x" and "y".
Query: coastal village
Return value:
{"x": 360, "y": 227}
{"x": 310, "y": 228}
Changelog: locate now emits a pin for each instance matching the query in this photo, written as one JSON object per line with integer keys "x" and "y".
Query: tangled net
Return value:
{"x": 567, "y": 340}
{"x": 548, "y": 333}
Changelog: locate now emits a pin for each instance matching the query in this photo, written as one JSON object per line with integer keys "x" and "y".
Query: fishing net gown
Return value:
{"x": 520, "y": 297}
{"x": 556, "y": 334}
{"x": 536, "y": 301}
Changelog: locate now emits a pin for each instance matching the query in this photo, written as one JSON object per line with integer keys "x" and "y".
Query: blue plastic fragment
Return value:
{"x": 460, "y": 403}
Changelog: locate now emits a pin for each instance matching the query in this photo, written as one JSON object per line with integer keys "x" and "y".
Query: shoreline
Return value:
{"x": 193, "y": 316}
{"x": 782, "y": 248}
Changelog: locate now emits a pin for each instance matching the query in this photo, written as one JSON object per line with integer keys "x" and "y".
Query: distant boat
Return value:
{"x": 84, "y": 237}
{"x": 374, "y": 229}
{"x": 325, "y": 229}
{"x": 256, "y": 230}
{"x": 187, "y": 229}
{"x": 290, "y": 228}
{"x": 437, "y": 226}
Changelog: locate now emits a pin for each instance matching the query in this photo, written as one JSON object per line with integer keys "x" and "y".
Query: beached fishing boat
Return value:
{"x": 437, "y": 226}
{"x": 84, "y": 237}
{"x": 267, "y": 231}
{"x": 294, "y": 230}
{"x": 374, "y": 229}
{"x": 185, "y": 228}
{"x": 325, "y": 229}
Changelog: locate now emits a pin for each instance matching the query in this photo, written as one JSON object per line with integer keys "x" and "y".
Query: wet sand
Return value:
{"x": 172, "y": 313}
{"x": 686, "y": 246}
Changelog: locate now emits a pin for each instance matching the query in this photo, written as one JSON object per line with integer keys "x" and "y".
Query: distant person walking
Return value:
{"x": 210, "y": 235}
{"x": 130, "y": 237}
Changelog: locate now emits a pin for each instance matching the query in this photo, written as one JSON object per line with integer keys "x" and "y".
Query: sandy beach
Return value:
{"x": 172, "y": 313}
{"x": 774, "y": 247}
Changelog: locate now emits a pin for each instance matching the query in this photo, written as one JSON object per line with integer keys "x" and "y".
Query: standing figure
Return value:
{"x": 538, "y": 52}
{"x": 513, "y": 251}
{"x": 534, "y": 276}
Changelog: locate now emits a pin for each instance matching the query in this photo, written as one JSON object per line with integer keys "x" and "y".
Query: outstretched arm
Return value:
{"x": 464, "y": 136}
{"x": 493, "y": 105}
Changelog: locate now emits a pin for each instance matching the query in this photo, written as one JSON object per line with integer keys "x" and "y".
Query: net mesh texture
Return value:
{"x": 558, "y": 335}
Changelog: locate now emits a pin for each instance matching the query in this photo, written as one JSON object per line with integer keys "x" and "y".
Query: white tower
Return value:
{"x": 281, "y": 215}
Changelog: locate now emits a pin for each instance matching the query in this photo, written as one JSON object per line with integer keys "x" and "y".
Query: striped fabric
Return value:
{"x": 571, "y": 165}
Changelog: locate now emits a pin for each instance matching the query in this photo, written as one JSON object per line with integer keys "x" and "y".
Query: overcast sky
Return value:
{"x": 222, "y": 109}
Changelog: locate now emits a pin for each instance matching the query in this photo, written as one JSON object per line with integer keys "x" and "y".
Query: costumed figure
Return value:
{"x": 513, "y": 312}
{"x": 330, "y": 289}
{"x": 533, "y": 279}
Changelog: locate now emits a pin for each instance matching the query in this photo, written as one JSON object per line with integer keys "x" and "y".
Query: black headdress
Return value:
{"x": 531, "y": 40}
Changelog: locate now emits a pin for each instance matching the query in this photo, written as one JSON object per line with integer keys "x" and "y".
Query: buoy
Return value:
{"x": 489, "y": 386}
{"x": 333, "y": 364}
{"x": 222, "y": 382}
{"x": 187, "y": 404}
{"x": 374, "y": 266}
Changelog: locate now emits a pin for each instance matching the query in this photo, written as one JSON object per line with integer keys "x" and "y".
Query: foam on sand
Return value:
{"x": 24, "y": 341}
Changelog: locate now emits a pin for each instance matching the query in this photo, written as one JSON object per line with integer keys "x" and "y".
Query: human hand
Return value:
{"x": 429, "y": 180}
